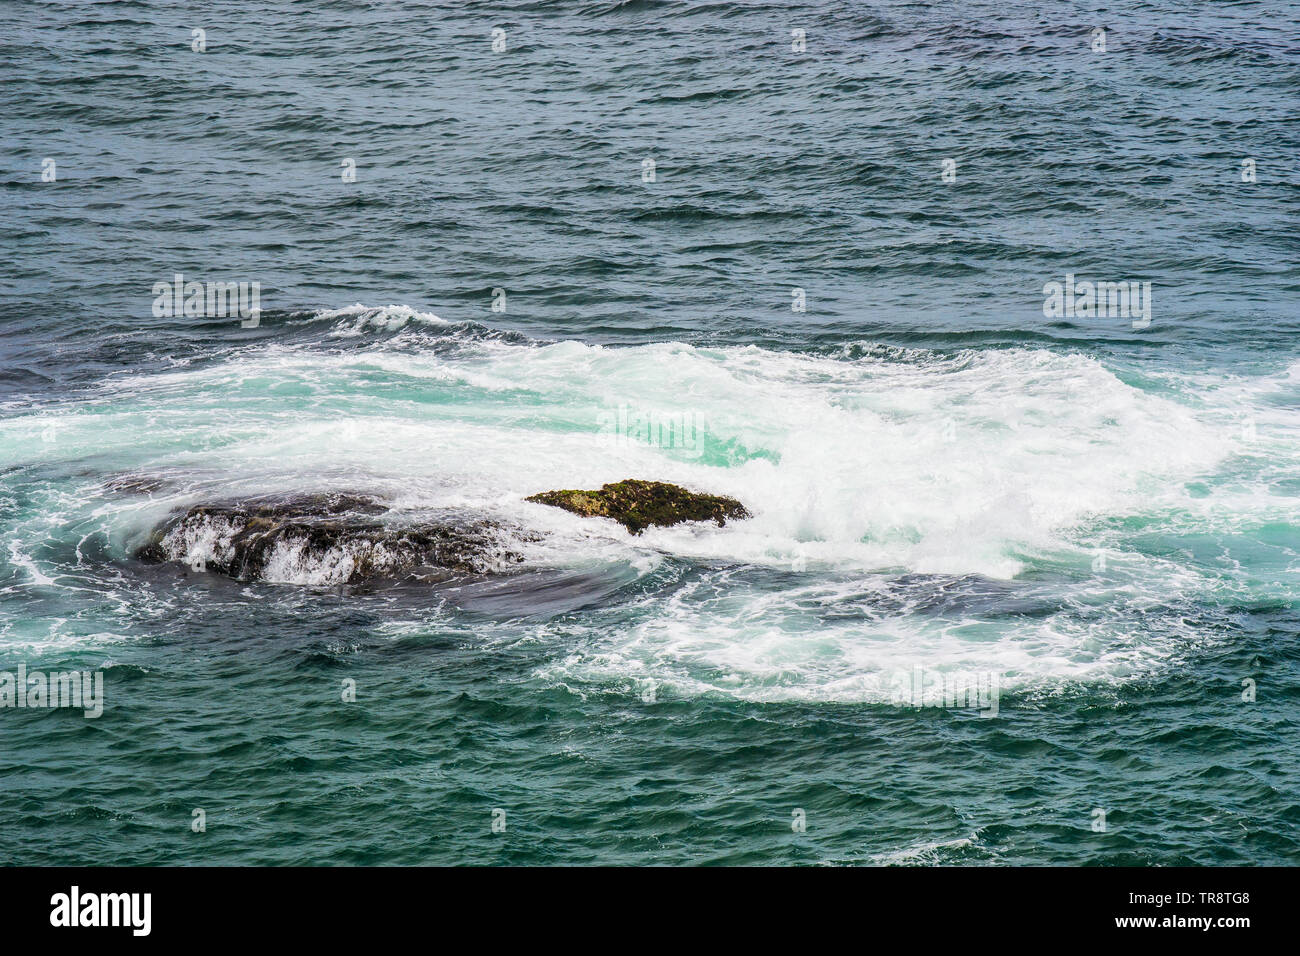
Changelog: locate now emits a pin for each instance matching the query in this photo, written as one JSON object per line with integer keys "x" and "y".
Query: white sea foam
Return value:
{"x": 19, "y": 559}
{"x": 858, "y": 467}
{"x": 937, "y": 467}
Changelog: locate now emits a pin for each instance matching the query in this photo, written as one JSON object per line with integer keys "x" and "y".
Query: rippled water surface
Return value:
{"x": 1098, "y": 515}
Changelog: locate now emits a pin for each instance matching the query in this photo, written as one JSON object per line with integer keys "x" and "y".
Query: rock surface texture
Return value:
{"x": 326, "y": 539}
{"x": 639, "y": 504}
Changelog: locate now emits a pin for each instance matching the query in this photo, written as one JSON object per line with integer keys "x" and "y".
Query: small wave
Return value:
{"x": 931, "y": 853}
{"x": 358, "y": 319}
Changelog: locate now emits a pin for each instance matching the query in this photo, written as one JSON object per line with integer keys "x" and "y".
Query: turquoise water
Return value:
{"x": 1100, "y": 520}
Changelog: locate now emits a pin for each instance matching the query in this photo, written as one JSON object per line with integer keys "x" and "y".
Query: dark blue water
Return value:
{"x": 1099, "y": 513}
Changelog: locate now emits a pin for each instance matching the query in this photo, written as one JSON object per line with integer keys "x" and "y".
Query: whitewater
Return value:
{"x": 903, "y": 498}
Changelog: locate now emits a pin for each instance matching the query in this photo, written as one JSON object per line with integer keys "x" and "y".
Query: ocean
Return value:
{"x": 833, "y": 260}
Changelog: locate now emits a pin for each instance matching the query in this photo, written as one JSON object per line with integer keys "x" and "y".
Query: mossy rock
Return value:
{"x": 639, "y": 504}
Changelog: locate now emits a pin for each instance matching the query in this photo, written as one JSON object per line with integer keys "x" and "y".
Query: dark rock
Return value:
{"x": 328, "y": 539}
{"x": 639, "y": 504}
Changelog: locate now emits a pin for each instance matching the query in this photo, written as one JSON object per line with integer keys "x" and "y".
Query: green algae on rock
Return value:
{"x": 639, "y": 504}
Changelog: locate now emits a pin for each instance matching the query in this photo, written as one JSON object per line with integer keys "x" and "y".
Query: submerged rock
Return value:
{"x": 325, "y": 540}
{"x": 639, "y": 504}
{"x": 136, "y": 484}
